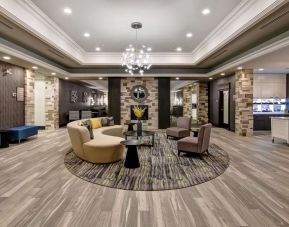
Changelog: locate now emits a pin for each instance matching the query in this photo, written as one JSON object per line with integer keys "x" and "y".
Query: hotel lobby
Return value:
{"x": 144, "y": 113}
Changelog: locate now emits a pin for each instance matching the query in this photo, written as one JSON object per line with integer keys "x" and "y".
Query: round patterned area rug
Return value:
{"x": 161, "y": 168}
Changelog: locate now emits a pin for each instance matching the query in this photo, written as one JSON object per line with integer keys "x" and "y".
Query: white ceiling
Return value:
{"x": 165, "y": 22}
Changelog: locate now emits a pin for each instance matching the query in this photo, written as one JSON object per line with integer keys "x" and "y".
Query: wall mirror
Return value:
{"x": 139, "y": 93}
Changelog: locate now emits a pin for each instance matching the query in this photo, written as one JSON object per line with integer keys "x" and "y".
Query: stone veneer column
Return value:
{"x": 29, "y": 97}
{"x": 51, "y": 103}
{"x": 152, "y": 101}
{"x": 187, "y": 101}
{"x": 244, "y": 103}
{"x": 203, "y": 103}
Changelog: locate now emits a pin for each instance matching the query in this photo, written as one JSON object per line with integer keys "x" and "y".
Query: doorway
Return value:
{"x": 224, "y": 116}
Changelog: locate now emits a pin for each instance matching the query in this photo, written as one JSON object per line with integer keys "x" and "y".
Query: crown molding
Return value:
{"x": 246, "y": 14}
{"x": 28, "y": 58}
{"x": 257, "y": 52}
{"x": 29, "y": 16}
{"x": 156, "y": 58}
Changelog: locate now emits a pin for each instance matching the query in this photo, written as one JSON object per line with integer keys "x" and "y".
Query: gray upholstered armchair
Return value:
{"x": 183, "y": 128}
{"x": 198, "y": 144}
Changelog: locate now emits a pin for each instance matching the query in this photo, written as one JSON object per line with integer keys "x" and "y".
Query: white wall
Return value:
{"x": 269, "y": 86}
{"x": 39, "y": 98}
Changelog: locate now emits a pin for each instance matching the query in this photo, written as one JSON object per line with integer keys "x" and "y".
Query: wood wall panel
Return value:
{"x": 214, "y": 87}
{"x": 114, "y": 92}
{"x": 11, "y": 111}
{"x": 164, "y": 102}
{"x": 65, "y": 104}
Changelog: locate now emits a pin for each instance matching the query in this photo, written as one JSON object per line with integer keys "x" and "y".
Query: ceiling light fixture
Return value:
{"x": 189, "y": 35}
{"x": 261, "y": 69}
{"x": 179, "y": 49}
{"x": 206, "y": 11}
{"x": 6, "y": 58}
{"x": 210, "y": 78}
{"x": 66, "y": 78}
{"x": 67, "y": 10}
{"x": 240, "y": 68}
{"x": 149, "y": 49}
{"x": 177, "y": 78}
{"x": 53, "y": 74}
{"x": 86, "y": 34}
{"x": 98, "y": 49}
{"x": 100, "y": 78}
{"x": 34, "y": 67}
{"x": 135, "y": 59}
{"x": 223, "y": 74}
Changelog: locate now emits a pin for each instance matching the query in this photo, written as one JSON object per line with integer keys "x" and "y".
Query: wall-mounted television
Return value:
{"x": 145, "y": 117}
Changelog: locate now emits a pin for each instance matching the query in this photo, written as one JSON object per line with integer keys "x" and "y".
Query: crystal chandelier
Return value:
{"x": 135, "y": 59}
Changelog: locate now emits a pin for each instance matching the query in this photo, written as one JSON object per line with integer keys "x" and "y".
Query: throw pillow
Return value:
{"x": 104, "y": 121}
{"x": 110, "y": 121}
{"x": 95, "y": 123}
{"x": 87, "y": 124}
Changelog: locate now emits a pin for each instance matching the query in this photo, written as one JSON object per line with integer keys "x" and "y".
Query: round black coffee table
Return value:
{"x": 144, "y": 133}
{"x": 131, "y": 159}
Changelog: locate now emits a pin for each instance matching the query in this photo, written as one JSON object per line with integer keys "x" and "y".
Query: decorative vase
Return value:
{"x": 139, "y": 127}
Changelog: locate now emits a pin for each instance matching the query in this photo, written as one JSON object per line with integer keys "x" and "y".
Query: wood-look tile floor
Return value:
{"x": 37, "y": 190}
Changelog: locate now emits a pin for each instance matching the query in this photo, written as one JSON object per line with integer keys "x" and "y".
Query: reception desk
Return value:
{"x": 280, "y": 128}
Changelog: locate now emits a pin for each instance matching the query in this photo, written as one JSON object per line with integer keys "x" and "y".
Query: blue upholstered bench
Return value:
{"x": 22, "y": 132}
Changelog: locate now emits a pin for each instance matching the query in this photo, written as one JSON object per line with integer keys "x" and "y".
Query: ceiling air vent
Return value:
{"x": 55, "y": 53}
{"x": 6, "y": 25}
{"x": 274, "y": 20}
{"x": 218, "y": 54}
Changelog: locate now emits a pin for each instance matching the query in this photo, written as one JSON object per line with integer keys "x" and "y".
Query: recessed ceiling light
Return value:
{"x": 206, "y": 11}
{"x": 177, "y": 78}
{"x": 149, "y": 49}
{"x": 67, "y": 10}
{"x": 240, "y": 68}
{"x": 86, "y": 34}
{"x": 261, "y": 69}
{"x": 210, "y": 78}
{"x": 66, "y": 78}
{"x": 100, "y": 78}
{"x": 223, "y": 74}
{"x": 179, "y": 49}
{"x": 53, "y": 74}
{"x": 6, "y": 57}
{"x": 34, "y": 67}
{"x": 98, "y": 49}
{"x": 189, "y": 35}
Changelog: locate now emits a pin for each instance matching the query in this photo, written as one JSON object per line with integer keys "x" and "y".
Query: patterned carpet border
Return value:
{"x": 161, "y": 168}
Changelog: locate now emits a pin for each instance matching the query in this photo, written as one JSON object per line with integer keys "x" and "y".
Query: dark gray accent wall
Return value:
{"x": 214, "y": 87}
{"x": 65, "y": 104}
{"x": 114, "y": 94}
{"x": 164, "y": 102}
{"x": 11, "y": 111}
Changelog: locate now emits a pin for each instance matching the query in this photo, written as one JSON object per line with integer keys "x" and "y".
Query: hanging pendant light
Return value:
{"x": 135, "y": 59}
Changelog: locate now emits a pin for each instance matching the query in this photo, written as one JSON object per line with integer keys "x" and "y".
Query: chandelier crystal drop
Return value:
{"x": 136, "y": 59}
